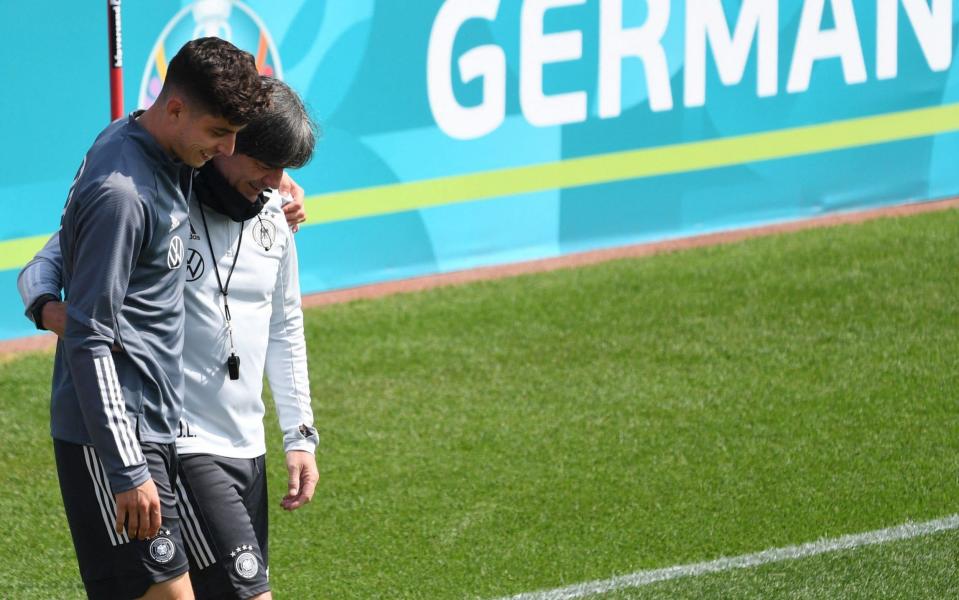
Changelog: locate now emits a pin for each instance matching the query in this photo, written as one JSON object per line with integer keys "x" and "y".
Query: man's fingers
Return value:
{"x": 121, "y": 517}
{"x": 138, "y": 510}
{"x": 310, "y": 479}
{"x": 144, "y": 518}
{"x": 155, "y": 521}
{"x": 291, "y": 188}
{"x": 133, "y": 523}
{"x": 293, "y": 210}
{"x": 294, "y": 481}
{"x": 294, "y": 214}
{"x": 148, "y": 518}
{"x": 295, "y": 502}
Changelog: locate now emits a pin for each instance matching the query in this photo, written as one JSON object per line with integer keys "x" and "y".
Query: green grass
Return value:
{"x": 551, "y": 429}
{"x": 917, "y": 568}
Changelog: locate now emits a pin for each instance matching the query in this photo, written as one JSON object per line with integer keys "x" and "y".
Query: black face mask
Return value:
{"x": 213, "y": 190}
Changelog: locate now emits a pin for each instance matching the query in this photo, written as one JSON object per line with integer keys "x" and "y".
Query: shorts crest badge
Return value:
{"x": 162, "y": 548}
{"x": 245, "y": 562}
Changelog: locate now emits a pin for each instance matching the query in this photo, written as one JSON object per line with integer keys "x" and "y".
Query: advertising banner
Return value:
{"x": 465, "y": 133}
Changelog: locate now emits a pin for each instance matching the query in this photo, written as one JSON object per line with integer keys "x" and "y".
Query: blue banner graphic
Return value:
{"x": 464, "y": 133}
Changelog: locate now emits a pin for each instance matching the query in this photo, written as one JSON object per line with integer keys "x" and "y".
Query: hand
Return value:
{"x": 304, "y": 476}
{"x": 54, "y": 316}
{"x": 294, "y": 211}
{"x": 139, "y": 508}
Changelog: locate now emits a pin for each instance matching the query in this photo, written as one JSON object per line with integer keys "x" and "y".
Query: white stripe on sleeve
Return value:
{"x": 107, "y": 407}
{"x": 126, "y": 431}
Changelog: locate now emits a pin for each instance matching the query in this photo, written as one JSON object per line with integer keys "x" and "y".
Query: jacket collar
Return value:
{"x": 150, "y": 146}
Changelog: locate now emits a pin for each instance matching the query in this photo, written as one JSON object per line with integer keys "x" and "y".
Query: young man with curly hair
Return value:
{"x": 117, "y": 390}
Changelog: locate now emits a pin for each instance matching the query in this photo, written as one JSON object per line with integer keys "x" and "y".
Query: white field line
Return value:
{"x": 846, "y": 542}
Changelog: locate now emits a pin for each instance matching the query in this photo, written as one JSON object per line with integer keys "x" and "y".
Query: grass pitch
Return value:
{"x": 551, "y": 429}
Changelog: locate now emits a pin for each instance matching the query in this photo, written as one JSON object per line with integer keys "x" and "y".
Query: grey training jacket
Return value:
{"x": 123, "y": 236}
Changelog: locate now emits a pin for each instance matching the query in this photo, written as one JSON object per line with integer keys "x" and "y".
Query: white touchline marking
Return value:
{"x": 846, "y": 542}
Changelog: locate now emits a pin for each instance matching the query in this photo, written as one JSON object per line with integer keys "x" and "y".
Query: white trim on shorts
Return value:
{"x": 196, "y": 542}
{"x": 101, "y": 490}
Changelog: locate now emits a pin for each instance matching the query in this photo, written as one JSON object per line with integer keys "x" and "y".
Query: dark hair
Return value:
{"x": 219, "y": 77}
{"x": 283, "y": 135}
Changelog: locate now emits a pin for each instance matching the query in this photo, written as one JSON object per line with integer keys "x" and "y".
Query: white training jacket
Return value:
{"x": 222, "y": 416}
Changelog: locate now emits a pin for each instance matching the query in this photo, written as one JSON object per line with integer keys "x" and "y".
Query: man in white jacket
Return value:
{"x": 243, "y": 318}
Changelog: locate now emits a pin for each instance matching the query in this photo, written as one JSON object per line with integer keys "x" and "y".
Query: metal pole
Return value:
{"x": 116, "y": 59}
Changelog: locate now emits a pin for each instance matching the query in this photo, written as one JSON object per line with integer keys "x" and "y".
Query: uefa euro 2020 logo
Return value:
{"x": 227, "y": 19}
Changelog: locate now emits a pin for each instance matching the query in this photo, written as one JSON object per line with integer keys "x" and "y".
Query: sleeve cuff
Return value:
{"x": 303, "y": 438}
{"x": 129, "y": 479}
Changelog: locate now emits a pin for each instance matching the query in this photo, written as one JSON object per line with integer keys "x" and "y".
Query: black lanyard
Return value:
{"x": 223, "y": 289}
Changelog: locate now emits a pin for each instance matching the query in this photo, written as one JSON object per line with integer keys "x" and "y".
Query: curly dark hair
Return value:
{"x": 283, "y": 135}
{"x": 220, "y": 78}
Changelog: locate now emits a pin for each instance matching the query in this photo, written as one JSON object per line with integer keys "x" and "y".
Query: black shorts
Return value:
{"x": 111, "y": 564}
{"x": 223, "y": 508}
